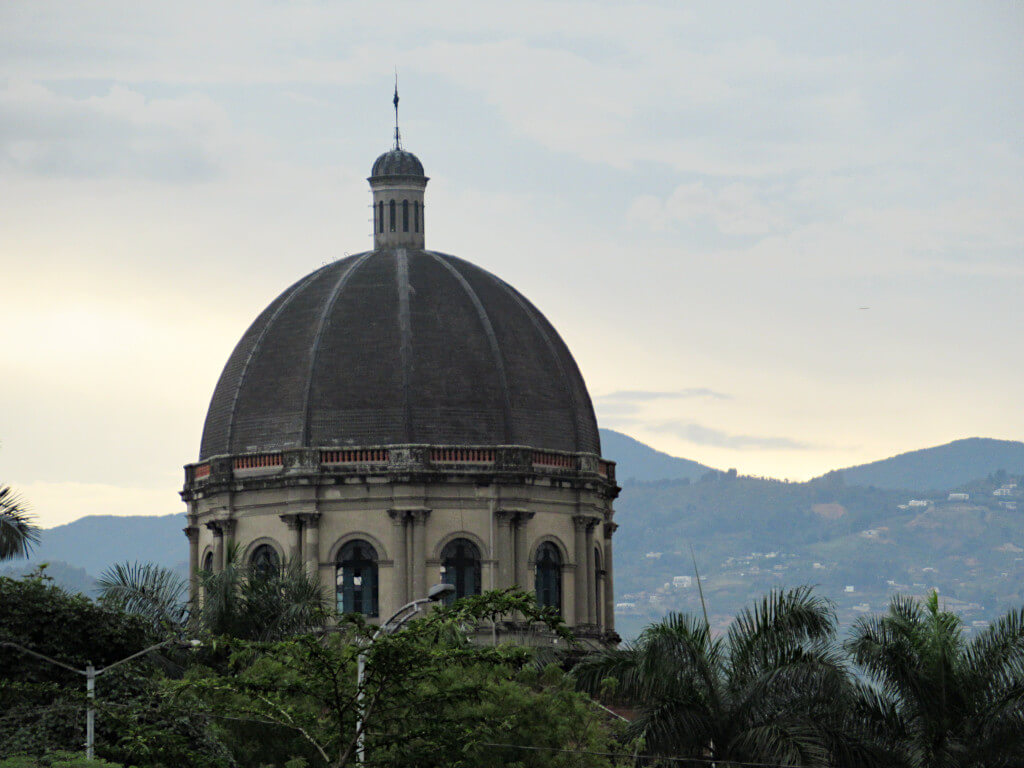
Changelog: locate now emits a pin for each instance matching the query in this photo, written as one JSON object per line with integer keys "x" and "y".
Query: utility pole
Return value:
{"x": 91, "y": 673}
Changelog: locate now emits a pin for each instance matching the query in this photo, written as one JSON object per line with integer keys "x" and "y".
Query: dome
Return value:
{"x": 400, "y": 346}
{"x": 397, "y": 162}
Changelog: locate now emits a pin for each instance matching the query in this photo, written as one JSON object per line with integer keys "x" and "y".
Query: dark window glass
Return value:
{"x": 597, "y": 585}
{"x": 355, "y": 578}
{"x": 405, "y": 215}
{"x": 416, "y": 216}
{"x": 208, "y": 562}
{"x": 380, "y": 216}
{"x": 549, "y": 576}
{"x": 391, "y": 221}
{"x": 460, "y": 565}
{"x": 265, "y": 560}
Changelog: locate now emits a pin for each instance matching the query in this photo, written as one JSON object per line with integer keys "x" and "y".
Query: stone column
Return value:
{"x": 399, "y": 543}
{"x": 294, "y": 524}
{"x": 419, "y": 552}
{"x": 228, "y": 526}
{"x": 609, "y": 578}
{"x": 192, "y": 532}
{"x": 503, "y": 548}
{"x": 218, "y": 545}
{"x": 311, "y": 550}
{"x": 522, "y": 552}
{"x": 591, "y": 574}
{"x": 580, "y": 555}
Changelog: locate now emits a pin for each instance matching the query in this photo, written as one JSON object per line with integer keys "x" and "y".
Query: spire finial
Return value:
{"x": 398, "y": 136}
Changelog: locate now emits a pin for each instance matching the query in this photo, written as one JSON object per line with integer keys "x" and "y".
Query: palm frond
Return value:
{"x": 146, "y": 589}
{"x": 18, "y": 531}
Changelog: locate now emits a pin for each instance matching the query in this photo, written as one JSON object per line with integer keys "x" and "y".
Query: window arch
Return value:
{"x": 380, "y": 216}
{"x": 548, "y": 573}
{"x": 393, "y": 219}
{"x": 355, "y": 578}
{"x": 405, "y": 215}
{"x": 460, "y": 565}
{"x": 208, "y": 562}
{"x": 416, "y": 215}
{"x": 264, "y": 560}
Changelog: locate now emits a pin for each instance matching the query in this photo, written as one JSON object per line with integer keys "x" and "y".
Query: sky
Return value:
{"x": 781, "y": 237}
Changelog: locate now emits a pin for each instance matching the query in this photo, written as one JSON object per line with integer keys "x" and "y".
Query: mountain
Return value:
{"x": 70, "y": 577}
{"x": 636, "y": 462}
{"x": 941, "y": 468}
{"x": 98, "y": 541}
{"x": 853, "y": 534}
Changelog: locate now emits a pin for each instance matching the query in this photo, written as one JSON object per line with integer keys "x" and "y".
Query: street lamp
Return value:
{"x": 392, "y": 625}
{"x": 91, "y": 673}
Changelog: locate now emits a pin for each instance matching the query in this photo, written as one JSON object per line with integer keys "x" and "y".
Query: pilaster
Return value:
{"x": 580, "y": 523}
{"x": 311, "y": 548}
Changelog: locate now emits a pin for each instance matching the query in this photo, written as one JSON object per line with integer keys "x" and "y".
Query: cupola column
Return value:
{"x": 419, "y": 552}
{"x": 311, "y": 528}
{"x": 580, "y": 555}
{"x": 591, "y": 566}
{"x": 522, "y": 552}
{"x": 400, "y": 545}
{"x": 609, "y": 580}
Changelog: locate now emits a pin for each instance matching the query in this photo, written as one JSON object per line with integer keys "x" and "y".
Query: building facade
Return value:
{"x": 402, "y": 417}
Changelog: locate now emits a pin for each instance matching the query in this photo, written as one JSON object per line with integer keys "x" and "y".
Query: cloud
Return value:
{"x": 699, "y": 434}
{"x": 644, "y": 395}
{"x": 733, "y": 209}
{"x": 117, "y": 134}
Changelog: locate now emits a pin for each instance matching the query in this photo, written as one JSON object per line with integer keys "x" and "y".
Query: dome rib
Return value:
{"x": 295, "y": 291}
{"x": 339, "y": 286}
{"x": 405, "y": 350}
{"x": 492, "y": 339}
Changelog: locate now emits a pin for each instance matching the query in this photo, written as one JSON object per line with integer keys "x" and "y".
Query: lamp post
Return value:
{"x": 91, "y": 673}
{"x": 392, "y": 625}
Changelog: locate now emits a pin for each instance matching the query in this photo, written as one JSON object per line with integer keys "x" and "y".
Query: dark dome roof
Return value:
{"x": 400, "y": 346}
{"x": 397, "y": 162}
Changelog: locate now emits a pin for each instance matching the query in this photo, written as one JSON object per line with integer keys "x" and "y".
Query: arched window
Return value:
{"x": 416, "y": 215}
{"x": 208, "y": 562}
{"x": 597, "y": 586}
{"x": 355, "y": 579}
{"x": 264, "y": 560}
{"x": 405, "y": 215}
{"x": 380, "y": 216}
{"x": 392, "y": 223}
{"x": 460, "y": 565}
{"x": 549, "y": 576}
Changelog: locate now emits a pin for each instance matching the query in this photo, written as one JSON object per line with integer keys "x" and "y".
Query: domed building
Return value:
{"x": 402, "y": 417}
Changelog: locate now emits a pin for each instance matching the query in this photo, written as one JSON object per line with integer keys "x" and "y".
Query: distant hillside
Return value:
{"x": 940, "y": 468}
{"x": 98, "y": 541}
{"x": 641, "y": 463}
{"x": 70, "y": 577}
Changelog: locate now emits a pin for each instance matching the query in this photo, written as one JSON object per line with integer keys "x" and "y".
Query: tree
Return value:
{"x": 241, "y": 601}
{"x": 770, "y": 691}
{"x": 938, "y": 699}
{"x": 43, "y": 705}
{"x": 18, "y": 534}
{"x": 429, "y": 697}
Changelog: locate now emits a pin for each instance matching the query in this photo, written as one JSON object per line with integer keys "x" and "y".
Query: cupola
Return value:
{"x": 398, "y": 183}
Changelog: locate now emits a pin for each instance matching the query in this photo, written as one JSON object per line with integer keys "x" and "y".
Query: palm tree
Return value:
{"x": 770, "y": 691}
{"x": 241, "y": 600}
{"x": 936, "y": 698}
{"x": 18, "y": 534}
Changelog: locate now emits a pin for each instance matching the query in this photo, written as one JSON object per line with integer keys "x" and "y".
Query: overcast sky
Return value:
{"x": 778, "y": 237}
